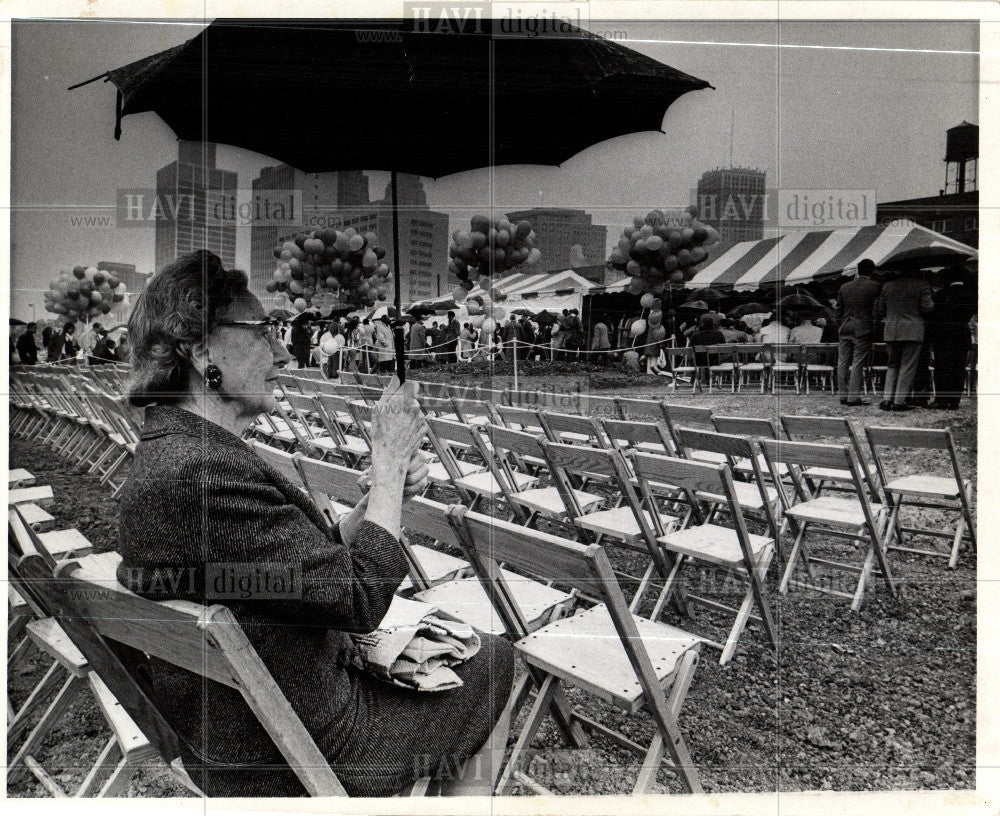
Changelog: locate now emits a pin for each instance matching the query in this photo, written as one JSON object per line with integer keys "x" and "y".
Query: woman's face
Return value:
{"x": 248, "y": 357}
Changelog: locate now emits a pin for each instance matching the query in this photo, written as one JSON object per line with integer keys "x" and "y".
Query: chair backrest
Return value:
{"x": 555, "y": 425}
{"x": 285, "y": 463}
{"x": 436, "y": 406}
{"x": 759, "y": 427}
{"x": 518, "y": 418}
{"x": 679, "y": 358}
{"x": 469, "y": 410}
{"x": 206, "y": 641}
{"x": 302, "y": 406}
{"x": 626, "y": 434}
{"x": 290, "y": 383}
{"x": 816, "y": 428}
{"x": 647, "y": 410}
{"x": 603, "y": 407}
{"x": 328, "y": 481}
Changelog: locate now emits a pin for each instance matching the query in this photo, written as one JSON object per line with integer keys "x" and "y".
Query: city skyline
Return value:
{"x": 886, "y": 133}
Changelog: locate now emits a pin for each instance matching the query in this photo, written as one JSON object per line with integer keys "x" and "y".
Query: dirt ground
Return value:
{"x": 883, "y": 699}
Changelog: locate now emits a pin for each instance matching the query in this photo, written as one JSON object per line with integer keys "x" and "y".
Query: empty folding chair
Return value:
{"x": 723, "y": 366}
{"x": 756, "y": 496}
{"x": 782, "y": 360}
{"x": 818, "y": 362}
{"x": 951, "y": 493}
{"x": 836, "y": 431}
{"x": 606, "y": 651}
{"x": 651, "y": 437}
{"x": 450, "y": 442}
{"x": 750, "y": 366}
{"x": 644, "y": 410}
{"x": 474, "y": 411}
{"x": 312, "y": 440}
{"x": 519, "y": 418}
{"x": 733, "y": 551}
{"x": 857, "y": 517}
{"x": 682, "y": 365}
{"x": 690, "y": 416}
{"x": 339, "y": 421}
{"x": 572, "y": 429}
{"x": 512, "y": 451}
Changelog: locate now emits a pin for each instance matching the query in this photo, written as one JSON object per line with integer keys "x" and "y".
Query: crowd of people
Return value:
{"x": 97, "y": 346}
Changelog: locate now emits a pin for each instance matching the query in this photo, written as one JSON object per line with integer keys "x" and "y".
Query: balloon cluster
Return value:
{"x": 491, "y": 246}
{"x": 657, "y": 253}
{"x": 484, "y": 313}
{"x": 651, "y": 325}
{"x": 84, "y": 291}
{"x": 314, "y": 267}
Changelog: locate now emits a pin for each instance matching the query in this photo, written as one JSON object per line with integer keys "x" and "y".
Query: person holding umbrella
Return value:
{"x": 954, "y": 307}
{"x": 301, "y": 341}
{"x": 418, "y": 343}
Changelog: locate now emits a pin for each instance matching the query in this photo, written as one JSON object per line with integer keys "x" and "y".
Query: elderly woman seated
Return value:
{"x": 205, "y": 359}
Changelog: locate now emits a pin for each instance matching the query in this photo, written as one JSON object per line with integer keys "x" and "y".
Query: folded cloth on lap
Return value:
{"x": 415, "y": 645}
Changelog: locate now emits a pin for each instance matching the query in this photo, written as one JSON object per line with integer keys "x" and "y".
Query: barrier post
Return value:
{"x": 515, "y": 362}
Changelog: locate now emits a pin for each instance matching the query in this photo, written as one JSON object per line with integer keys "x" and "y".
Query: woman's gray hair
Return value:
{"x": 178, "y": 308}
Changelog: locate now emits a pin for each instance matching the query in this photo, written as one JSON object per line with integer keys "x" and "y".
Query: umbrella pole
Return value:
{"x": 397, "y": 326}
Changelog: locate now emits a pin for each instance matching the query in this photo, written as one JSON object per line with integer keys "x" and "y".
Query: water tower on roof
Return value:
{"x": 961, "y": 158}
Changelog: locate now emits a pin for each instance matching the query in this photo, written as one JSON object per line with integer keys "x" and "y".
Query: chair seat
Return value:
{"x": 19, "y": 477}
{"x": 752, "y": 367}
{"x": 325, "y": 443}
{"x": 585, "y": 649}
{"x": 825, "y": 474}
{"x": 743, "y": 467}
{"x": 709, "y": 542}
{"x": 49, "y": 636}
{"x": 62, "y": 543}
{"x": 786, "y": 367}
{"x": 619, "y": 523}
{"x": 836, "y": 511}
{"x": 708, "y": 456}
{"x": 437, "y": 473}
{"x": 819, "y": 368}
{"x": 466, "y": 600}
{"x": 484, "y": 483}
{"x": 573, "y": 438}
{"x": 437, "y": 566}
{"x": 548, "y": 501}
{"x": 922, "y": 484}
{"x": 354, "y": 446}
{"x": 35, "y": 517}
{"x": 37, "y": 495}
{"x": 747, "y": 494}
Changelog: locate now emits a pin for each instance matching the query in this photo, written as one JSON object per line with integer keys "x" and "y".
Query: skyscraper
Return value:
{"x": 733, "y": 199}
{"x": 188, "y": 192}
{"x": 324, "y": 197}
{"x": 566, "y": 238}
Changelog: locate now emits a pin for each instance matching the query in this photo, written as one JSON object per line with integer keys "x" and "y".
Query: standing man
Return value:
{"x": 27, "y": 349}
{"x": 301, "y": 342}
{"x": 954, "y": 307}
{"x": 856, "y": 303}
{"x": 450, "y": 338}
{"x": 904, "y": 303}
{"x": 89, "y": 342}
{"x": 418, "y": 344}
{"x": 384, "y": 348}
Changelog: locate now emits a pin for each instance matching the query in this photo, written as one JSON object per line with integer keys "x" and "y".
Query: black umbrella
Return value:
{"x": 695, "y": 306}
{"x": 544, "y": 317}
{"x": 317, "y": 94}
{"x": 15, "y": 322}
{"x": 280, "y": 314}
{"x": 750, "y": 308}
{"x": 799, "y": 300}
{"x": 923, "y": 258}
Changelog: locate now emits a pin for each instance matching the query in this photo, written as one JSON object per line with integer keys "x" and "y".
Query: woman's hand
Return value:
{"x": 416, "y": 476}
{"x": 398, "y": 428}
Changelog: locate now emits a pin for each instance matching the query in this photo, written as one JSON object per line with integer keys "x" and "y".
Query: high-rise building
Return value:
{"x": 954, "y": 211}
{"x": 134, "y": 282}
{"x": 188, "y": 192}
{"x": 733, "y": 200}
{"x": 566, "y": 238}
{"x": 324, "y": 198}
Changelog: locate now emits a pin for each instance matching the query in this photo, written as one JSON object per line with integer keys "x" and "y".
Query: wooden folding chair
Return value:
{"x": 282, "y": 461}
{"x": 605, "y": 651}
{"x": 858, "y": 518}
{"x": 951, "y": 493}
{"x": 755, "y": 496}
{"x": 818, "y": 361}
{"x": 651, "y": 437}
{"x": 312, "y": 441}
{"x": 450, "y": 442}
{"x": 750, "y": 365}
{"x": 723, "y": 365}
{"x": 339, "y": 419}
{"x": 514, "y": 454}
{"x": 643, "y": 410}
{"x": 756, "y": 428}
{"x": 733, "y": 551}
{"x": 128, "y": 749}
{"x": 464, "y": 597}
{"x": 835, "y": 431}
{"x": 683, "y": 367}
{"x": 690, "y": 416}
{"x": 572, "y": 429}
{"x": 520, "y": 419}
{"x": 207, "y": 641}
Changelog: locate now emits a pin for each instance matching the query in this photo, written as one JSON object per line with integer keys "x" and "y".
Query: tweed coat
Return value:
{"x": 856, "y": 303}
{"x": 904, "y": 303}
{"x": 198, "y": 497}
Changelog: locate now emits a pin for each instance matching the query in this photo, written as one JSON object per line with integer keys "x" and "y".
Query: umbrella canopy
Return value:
{"x": 439, "y": 87}
{"x": 280, "y": 314}
{"x": 15, "y": 322}
{"x": 749, "y": 308}
{"x": 544, "y": 317}
{"x": 695, "y": 306}
{"x": 296, "y": 90}
{"x": 799, "y": 300}
{"x": 806, "y": 256}
{"x": 924, "y": 258}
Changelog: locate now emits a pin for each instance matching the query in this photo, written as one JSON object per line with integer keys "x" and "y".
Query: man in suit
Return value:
{"x": 856, "y": 326}
{"x": 951, "y": 339}
{"x": 903, "y": 303}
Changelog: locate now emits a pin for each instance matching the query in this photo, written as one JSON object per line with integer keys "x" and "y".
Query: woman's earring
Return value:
{"x": 213, "y": 377}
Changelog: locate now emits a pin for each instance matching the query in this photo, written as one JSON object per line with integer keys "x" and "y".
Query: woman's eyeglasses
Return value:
{"x": 268, "y": 326}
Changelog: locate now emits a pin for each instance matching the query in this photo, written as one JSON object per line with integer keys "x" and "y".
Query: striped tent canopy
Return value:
{"x": 790, "y": 260}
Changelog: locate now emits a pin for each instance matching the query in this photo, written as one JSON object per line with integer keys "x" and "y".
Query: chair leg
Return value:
{"x": 62, "y": 701}
{"x": 49, "y": 681}
{"x": 535, "y": 717}
{"x": 107, "y": 759}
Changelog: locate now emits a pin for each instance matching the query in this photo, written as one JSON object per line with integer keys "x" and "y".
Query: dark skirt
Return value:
{"x": 400, "y": 735}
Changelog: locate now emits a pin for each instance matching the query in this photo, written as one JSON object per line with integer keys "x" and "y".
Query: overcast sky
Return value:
{"x": 816, "y": 105}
